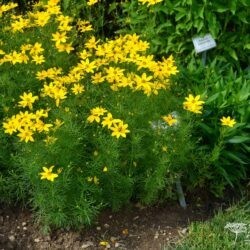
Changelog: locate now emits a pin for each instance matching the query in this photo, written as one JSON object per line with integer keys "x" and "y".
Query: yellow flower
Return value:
{"x": 58, "y": 123}
{"x": 47, "y": 174}
{"x": 89, "y": 179}
{"x": 59, "y": 94}
{"x": 59, "y": 37}
{"x": 95, "y": 114}
{"x": 2, "y": 52}
{"x": 77, "y": 89}
{"x": 119, "y": 129}
{"x": 108, "y": 120}
{"x": 105, "y": 169}
{"x": 38, "y": 59}
{"x": 227, "y": 121}
{"x": 92, "y": 2}
{"x": 97, "y": 78}
{"x": 10, "y": 126}
{"x": 25, "y": 135}
{"x": 150, "y": 2}
{"x": 27, "y": 100}
{"x": 169, "y": 119}
{"x": 193, "y": 104}
{"x": 14, "y": 57}
{"x": 36, "y": 49}
{"x": 50, "y": 140}
{"x": 104, "y": 243}
{"x": 64, "y": 47}
{"x": 40, "y": 126}
{"x": 91, "y": 43}
{"x": 84, "y": 26}
{"x": 96, "y": 180}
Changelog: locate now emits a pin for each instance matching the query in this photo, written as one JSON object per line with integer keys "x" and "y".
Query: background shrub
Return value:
{"x": 171, "y": 25}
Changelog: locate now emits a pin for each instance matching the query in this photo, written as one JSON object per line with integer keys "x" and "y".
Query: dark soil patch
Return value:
{"x": 135, "y": 228}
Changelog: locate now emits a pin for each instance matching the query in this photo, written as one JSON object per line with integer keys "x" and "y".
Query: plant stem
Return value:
{"x": 180, "y": 194}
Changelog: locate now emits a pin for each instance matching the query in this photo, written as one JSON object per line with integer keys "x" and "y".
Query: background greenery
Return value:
{"x": 212, "y": 235}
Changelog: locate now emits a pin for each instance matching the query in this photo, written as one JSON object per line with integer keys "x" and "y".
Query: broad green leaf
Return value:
{"x": 239, "y": 139}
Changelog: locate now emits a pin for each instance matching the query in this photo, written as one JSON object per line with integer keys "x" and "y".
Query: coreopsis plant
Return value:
{"x": 79, "y": 114}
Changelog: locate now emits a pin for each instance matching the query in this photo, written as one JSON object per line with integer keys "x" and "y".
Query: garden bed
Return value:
{"x": 135, "y": 227}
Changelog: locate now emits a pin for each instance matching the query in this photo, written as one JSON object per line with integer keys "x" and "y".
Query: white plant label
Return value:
{"x": 203, "y": 43}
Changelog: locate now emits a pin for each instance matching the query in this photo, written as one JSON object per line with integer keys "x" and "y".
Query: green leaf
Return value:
{"x": 212, "y": 98}
{"x": 247, "y": 46}
{"x": 225, "y": 175}
{"x": 232, "y": 53}
{"x": 207, "y": 128}
{"x": 201, "y": 12}
{"x": 66, "y": 4}
{"x": 234, "y": 157}
{"x": 179, "y": 16}
{"x": 233, "y": 6}
{"x": 220, "y": 8}
{"x": 239, "y": 139}
{"x": 112, "y": 7}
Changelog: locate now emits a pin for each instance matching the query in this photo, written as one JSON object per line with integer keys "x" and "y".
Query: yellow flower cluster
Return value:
{"x": 193, "y": 104}
{"x": 150, "y": 2}
{"x": 118, "y": 63}
{"x": 95, "y": 60}
{"x": 7, "y": 7}
{"x": 26, "y": 124}
{"x": 35, "y": 53}
{"x": 118, "y": 128}
{"x": 83, "y": 26}
{"x": 110, "y": 58}
{"x": 36, "y": 18}
{"x": 60, "y": 37}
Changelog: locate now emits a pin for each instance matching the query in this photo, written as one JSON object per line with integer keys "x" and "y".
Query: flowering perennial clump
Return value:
{"x": 100, "y": 109}
{"x": 120, "y": 64}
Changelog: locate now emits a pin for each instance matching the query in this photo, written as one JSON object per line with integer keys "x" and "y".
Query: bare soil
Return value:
{"x": 133, "y": 228}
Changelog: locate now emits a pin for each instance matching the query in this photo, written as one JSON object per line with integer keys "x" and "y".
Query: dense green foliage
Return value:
{"x": 228, "y": 93}
{"x": 171, "y": 25}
